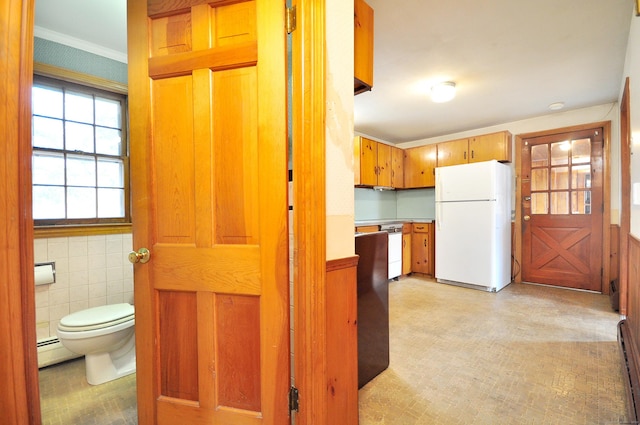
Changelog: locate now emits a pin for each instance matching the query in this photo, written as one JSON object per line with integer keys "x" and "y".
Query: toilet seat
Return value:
{"x": 97, "y": 318}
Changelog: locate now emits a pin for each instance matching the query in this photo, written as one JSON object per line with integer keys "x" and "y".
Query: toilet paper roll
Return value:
{"x": 44, "y": 274}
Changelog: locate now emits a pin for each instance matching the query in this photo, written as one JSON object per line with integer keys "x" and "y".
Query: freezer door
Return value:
{"x": 467, "y": 182}
{"x": 473, "y": 245}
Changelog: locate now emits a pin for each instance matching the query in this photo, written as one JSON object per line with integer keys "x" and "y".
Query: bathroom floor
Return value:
{"x": 67, "y": 399}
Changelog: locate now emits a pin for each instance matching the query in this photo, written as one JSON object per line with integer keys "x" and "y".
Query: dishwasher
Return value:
{"x": 394, "y": 231}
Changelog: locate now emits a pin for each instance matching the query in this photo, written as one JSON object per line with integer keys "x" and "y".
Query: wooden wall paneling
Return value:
{"x": 342, "y": 347}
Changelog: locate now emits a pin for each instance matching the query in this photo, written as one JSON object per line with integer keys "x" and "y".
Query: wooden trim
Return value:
{"x": 342, "y": 263}
{"x": 606, "y": 194}
{"x": 51, "y": 71}
{"x": 309, "y": 219}
{"x": 20, "y": 401}
{"x": 61, "y": 231}
{"x": 625, "y": 194}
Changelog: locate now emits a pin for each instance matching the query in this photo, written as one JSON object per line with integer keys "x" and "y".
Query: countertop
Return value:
{"x": 392, "y": 221}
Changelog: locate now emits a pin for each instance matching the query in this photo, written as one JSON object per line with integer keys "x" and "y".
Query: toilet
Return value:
{"x": 106, "y": 337}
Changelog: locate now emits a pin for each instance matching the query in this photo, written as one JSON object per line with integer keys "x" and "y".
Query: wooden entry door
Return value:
{"x": 209, "y": 179}
{"x": 562, "y": 208}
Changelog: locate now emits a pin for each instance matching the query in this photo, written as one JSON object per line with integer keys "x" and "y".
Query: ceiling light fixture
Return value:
{"x": 556, "y": 106}
{"x": 443, "y": 92}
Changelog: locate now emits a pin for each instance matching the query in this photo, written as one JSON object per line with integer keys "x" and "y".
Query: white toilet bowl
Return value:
{"x": 105, "y": 335}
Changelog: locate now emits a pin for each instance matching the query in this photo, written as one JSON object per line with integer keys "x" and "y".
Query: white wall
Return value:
{"x": 339, "y": 129}
{"x": 90, "y": 271}
{"x": 632, "y": 70}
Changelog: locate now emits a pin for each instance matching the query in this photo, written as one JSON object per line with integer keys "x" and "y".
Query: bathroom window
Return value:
{"x": 80, "y": 155}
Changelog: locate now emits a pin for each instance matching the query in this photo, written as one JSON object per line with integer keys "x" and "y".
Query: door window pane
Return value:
{"x": 559, "y": 203}
{"x": 580, "y": 177}
{"x": 539, "y": 155}
{"x": 581, "y": 151}
{"x": 539, "y": 179}
{"x": 539, "y": 204}
{"x": 560, "y": 153}
{"x": 581, "y": 202}
{"x": 560, "y": 178}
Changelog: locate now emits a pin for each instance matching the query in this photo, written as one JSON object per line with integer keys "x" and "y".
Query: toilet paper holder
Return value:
{"x": 45, "y": 273}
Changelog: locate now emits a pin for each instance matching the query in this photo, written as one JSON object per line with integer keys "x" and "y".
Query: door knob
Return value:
{"x": 526, "y": 218}
{"x": 142, "y": 256}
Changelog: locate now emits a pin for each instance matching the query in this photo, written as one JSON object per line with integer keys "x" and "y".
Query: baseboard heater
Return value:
{"x": 51, "y": 351}
{"x": 630, "y": 370}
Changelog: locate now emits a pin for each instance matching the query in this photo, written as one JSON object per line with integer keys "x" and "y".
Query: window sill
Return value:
{"x": 89, "y": 230}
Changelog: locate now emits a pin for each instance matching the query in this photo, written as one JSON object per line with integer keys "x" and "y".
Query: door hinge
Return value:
{"x": 293, "y": 400}
{"x": 290, "y": 19}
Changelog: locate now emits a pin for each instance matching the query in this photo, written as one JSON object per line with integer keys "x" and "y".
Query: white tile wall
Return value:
{"x": 90, "y": 271}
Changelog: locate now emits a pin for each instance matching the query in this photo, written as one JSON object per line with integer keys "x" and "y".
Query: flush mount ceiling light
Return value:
{"x": 443, "y": 92}
{"x": 556, "y": 106}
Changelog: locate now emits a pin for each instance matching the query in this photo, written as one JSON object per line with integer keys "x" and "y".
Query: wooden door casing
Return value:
{"x": 209, "y": 181}
{"x": 563, "y": 249}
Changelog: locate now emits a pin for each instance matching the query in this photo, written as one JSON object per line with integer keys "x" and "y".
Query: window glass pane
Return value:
{"x": 540, "y": 155}
{"x": 580, "y": 177}
{"x": 48, "y": 202}
{"x": 559, "y": 203}
{"x": 81, "y": 202}
{"x": 581, "y": 202}
{"x": 539, "y": 179}
{"x": 79, "y": 137}
{"x": 110, "y": 203}
{"x": 47, "y": 133}
{"x": 108, "y": 112}
{"x": 110, "y": 173}
{"x": 560, "y": 153}
{"x": 78, "y": 107}
{"x": 108, "y": 141}
{"x": 81, "y": 171}
{"x": 48, "y": 169}
{"x": 47, "y": 101}
{"x": 539, "y": 204}
{"x": 560, "y": 178}
{"x": 581, "y": 151}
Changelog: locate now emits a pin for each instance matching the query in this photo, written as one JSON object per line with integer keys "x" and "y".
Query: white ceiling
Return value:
{"x": 510, "y": 59}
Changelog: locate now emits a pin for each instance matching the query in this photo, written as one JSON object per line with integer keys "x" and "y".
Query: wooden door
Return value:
{"x": 453, "y": 152}
{"x": 209, "y": 182}
{"x": 562, "y": 208}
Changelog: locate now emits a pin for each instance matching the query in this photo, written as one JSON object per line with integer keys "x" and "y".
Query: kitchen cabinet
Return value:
{"x": 362, "y": 46}
{"x": 422, "y": 249}
{"x": 373, "y": 163}
{"x": 397, "y": 168}
{"x": 419, "y": 166}
{"x": 475, "y": 149}
{"x": 406, "y": 248}
{"x": 367, "y": 229}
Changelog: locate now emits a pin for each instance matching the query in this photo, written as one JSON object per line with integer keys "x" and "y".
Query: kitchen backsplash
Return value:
{"x": 391, "y": 204}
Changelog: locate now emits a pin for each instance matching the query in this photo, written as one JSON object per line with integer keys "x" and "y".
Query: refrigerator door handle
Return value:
{"x": 438, "y": 215}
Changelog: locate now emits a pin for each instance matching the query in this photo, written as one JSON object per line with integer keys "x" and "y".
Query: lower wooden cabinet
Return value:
{"x": 422, "y": 252}
{"x": 406, "y": 248}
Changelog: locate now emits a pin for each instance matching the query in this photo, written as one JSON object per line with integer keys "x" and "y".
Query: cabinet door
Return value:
{"x": 406, "y": 253}
{"x": 453, "y": 152}
{"x": 384, "y": 165}
{"x": 420, "y": 253}
{"x": 362, "y": 46}
{"x": 397, "y": 168}
{"x": 490, "y": 146}
{"x": 368, "y": 162}
{"x": 419, "y": 166}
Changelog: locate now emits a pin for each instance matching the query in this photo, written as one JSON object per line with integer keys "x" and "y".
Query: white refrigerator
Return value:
{"x": 473, "y": 225}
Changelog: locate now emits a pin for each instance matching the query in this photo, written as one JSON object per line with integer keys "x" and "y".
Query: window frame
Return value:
{"x": 92, "y": 226}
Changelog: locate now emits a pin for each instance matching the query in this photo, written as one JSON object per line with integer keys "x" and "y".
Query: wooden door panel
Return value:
{"x": 213, "y": 317}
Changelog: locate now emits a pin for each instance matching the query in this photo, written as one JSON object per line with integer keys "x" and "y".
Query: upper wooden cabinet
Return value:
{"x": 373, "y": 163}
{"x": 397, "y": 167}
{"x": 363, "y": 47}
{"x": 476, "y": 149}
{"x": 419, "y": 166}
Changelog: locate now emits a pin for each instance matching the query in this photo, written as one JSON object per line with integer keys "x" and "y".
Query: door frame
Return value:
{"x": 606, "y": 194}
